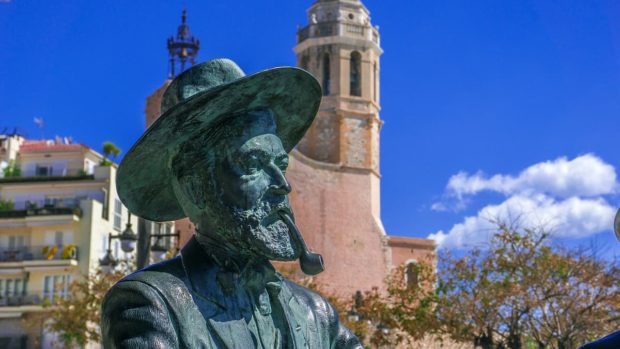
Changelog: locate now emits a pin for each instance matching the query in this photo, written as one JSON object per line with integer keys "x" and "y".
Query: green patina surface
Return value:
{"x": 219, "y": 155}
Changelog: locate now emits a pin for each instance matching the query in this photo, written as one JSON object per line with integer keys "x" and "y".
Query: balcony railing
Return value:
{"x": 39, "y": 253}
{"x": 30, "y": 179}
{"x": 45, "y": 211}
{"x": 32, "y": 298}
{"x": 18, "y": 300}
{"x": 338, "y": 28}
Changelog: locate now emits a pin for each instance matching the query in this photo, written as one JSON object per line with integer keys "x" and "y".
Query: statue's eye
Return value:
{"x": 250, "y": 164}
{"x": 282, "y": 163}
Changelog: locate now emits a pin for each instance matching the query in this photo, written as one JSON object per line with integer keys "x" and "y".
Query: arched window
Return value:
{"x": 411, "y": 274}
{"x": 326, "y": 75}
{"x": 304, "y": 63}
{"x": 355, "y": 76}
{"x": 375, "y": 81}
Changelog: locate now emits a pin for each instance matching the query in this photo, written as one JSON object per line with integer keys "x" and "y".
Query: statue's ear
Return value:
{"x": 194, "y": 190}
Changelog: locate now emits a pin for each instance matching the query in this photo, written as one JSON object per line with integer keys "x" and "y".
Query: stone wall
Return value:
{"x": 333, "y": 210}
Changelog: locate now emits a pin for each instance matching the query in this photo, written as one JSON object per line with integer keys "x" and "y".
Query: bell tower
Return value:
{"x": 341, "y": 48}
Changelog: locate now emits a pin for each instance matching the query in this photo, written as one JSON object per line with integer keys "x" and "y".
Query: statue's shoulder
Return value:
{"x": 165, "y": 278}
{"x": 320, "y": 307}
{"x": 170, "y": 270}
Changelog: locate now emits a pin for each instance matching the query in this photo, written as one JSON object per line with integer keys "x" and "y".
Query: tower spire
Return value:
{"x": 182, "y": 49}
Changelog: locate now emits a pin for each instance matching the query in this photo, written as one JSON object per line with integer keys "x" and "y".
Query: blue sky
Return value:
{"x": 523, "y": 89}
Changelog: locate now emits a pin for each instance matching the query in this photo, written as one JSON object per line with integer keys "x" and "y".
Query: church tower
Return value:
{"x": 340, "y": 47}
{"x": 334, "y": 171}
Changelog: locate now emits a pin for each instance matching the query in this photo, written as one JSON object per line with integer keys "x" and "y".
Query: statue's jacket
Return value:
{"x": 179, "y": 304}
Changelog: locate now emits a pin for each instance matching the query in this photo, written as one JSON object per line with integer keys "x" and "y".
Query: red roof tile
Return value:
{"x": 42, "y": 146}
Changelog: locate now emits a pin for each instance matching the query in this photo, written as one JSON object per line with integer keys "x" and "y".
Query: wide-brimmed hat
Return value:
{"x": 204, "y": 95}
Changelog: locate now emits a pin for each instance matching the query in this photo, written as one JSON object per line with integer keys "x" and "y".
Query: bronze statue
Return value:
{"x": 218, "y": 155}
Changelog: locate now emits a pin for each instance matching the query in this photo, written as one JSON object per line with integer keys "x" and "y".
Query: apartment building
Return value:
{"x": 57, "y": 207}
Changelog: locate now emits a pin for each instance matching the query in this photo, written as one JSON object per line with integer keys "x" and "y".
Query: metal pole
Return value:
{"x": 143, "y": 246}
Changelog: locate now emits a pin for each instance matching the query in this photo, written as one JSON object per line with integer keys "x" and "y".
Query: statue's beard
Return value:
{"x": 260, "y": 231}
{"x": 266, "y": 233}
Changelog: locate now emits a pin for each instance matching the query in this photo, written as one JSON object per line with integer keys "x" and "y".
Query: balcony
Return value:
{"x": 39, "y": 253}
{"x": 21, "y": 300}
{"x": 45, "y": 211}
{"x": 335, "y": 28}
{"x": 34, "y": 179}
{"x": 26, "y": 299}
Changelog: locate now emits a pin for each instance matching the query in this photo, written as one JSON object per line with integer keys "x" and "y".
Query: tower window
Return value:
{"x": 375, "y": 81}
{"x": 326, "y": 75}
{"x": 356, "y": 74}
{"x": 411, "y": 275}
{"x": 304, "y": 62}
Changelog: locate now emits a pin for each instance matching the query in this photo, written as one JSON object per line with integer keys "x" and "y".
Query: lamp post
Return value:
{"x": 128, "y": 244}
{"x": 146, "y": 249}
{"x": 352, "y": 314}
{"x": 129, "y": 240}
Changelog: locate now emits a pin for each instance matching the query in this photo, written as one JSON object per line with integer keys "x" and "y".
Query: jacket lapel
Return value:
{"x": 209, "y": 297}
{"x": 298, "y": 318}
{"x": 233, "y": 333}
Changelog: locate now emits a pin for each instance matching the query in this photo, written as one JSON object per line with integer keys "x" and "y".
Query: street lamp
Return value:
{"x": 108, "y": 262}
{"x": 128, "y": 244}
{"x": 146, "y": 250}
{"x": 352, "y": 314}
{"x": 128, "y": 237}
{"x": 158, "y": 250}
{"x": 383, "y": 328}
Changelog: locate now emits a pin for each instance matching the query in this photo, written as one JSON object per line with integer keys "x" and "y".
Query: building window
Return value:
{"x": 375, "y": 80}
{"x": 16, "y": 242}
{"x": 43, "y": 170}
{"x": 59, "y": 239}
{"x": 117, "y": 248}
{"x": 105, "y": 212}
{"x": 304, "y": 63}
{"x": 56, "y": 286}
{"x": 355, "y": 75}
{"x": 12, "y": 287}
{"x": 412, "y": 275}
{"x": 118, "y": 214}
{"x": 326, "y": 75}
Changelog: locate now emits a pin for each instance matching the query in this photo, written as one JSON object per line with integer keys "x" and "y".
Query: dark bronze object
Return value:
{"x": 218, "y": 155}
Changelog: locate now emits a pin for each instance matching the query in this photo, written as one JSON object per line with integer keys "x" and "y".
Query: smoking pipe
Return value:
{"x": 311, "y": 263}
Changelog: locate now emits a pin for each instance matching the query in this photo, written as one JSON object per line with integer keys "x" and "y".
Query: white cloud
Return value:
{"x": 586, "y": 175}
{"x": 564, "y": 196}
{"x": 573, "y": 217}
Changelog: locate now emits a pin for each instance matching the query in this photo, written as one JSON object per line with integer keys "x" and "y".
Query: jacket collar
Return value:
{"x": 202, "y": 271}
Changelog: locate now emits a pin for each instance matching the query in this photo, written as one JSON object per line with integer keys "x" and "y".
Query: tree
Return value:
{"x": 576, "y": 300}
{"x": 109, "y": 150}
{"x": 522, "y": 292}
{"x": 13, "y": 169}
{"x": 76, "y": 319}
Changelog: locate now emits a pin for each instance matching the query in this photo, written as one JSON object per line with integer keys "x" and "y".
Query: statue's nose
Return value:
{"x": 279, "y": 184}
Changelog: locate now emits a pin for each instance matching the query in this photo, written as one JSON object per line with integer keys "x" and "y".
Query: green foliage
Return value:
{"x": 6, "y": 205}
{"x": 13, "y": 169}
{"x": 76, "y": 319}
{"x": 522, "y": 291}
{"x": 109, "y": 150}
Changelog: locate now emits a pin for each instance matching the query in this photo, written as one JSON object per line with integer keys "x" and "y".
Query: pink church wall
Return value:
{"x": 333, "y": 211}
